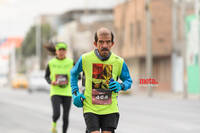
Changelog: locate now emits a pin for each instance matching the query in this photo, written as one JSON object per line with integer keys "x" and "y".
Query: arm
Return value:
{"x": 125, "y": 77}
{"x": 126, "y": 81}
{"x": 47, "y": 74}
{"x": 79, "y": 76}
{"x": 77, "y": 97}
{"x": 75, "y": 74}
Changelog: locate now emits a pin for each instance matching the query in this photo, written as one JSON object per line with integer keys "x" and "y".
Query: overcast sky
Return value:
{"x": 16, "y": 16}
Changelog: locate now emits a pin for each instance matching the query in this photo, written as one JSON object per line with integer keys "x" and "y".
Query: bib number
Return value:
{"x": 62, "y": 80}
{"x": 101, "y": 97}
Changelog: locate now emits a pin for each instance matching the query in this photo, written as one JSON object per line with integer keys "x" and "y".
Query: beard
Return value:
{"x": 104, "y": 53}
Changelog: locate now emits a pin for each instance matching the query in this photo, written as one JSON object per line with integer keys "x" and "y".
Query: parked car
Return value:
{"x": 19, "y": 81}
{"x": 37, "y": 82}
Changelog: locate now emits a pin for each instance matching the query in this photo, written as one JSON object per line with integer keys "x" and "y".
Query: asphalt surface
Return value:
{"x": 21, "y": 112}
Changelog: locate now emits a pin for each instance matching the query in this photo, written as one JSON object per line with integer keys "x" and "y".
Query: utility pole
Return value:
{"x": 174, "y": 25}
{"x": 197, "y": 11}
{"x": 13, "y": 61}
{"x": 175, "y": 50}
{"x": 38, "y": 40}
{"x": 148, "y": 45}
{"x": 184, "y": 48}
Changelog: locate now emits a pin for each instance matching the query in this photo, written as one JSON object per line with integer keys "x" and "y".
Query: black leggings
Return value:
{"x": 56, "y": 101}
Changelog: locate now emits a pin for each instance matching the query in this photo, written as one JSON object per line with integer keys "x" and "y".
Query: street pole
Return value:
{"x": 174, "y": 39}
{"x": 148, "y": 45}
{"x": 185, "y": 79}
{"x": 174, "y": 21}
{"x": 13, "y": 62}
{"x": 38, "y": 40}
{"x": 197, "y": 11}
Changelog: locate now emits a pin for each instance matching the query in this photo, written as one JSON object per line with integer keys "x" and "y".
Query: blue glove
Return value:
{"x": 78, "y": 99}
{"x": 114, "y": 86}
{"x": 74, "y": 90}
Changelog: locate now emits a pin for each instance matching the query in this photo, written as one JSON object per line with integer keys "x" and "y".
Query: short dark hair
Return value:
{"x": 96, "y": 37}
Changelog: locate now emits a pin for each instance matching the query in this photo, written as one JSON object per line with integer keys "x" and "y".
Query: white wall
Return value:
{"x": 177, "y": 73}
{"x": 80, "y": 41}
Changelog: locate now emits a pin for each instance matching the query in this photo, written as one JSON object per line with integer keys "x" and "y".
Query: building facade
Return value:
{"x": 130, "y": 27}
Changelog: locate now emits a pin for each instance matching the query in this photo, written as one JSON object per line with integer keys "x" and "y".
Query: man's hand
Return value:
{"x": 114, "y": 86}
{"x": 78, "y": 99}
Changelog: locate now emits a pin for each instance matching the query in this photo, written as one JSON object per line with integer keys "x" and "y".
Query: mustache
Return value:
{"x": 104, "y": 49}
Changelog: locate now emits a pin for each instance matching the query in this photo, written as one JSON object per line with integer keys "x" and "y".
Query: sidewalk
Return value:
{"x": 161, "y": 95}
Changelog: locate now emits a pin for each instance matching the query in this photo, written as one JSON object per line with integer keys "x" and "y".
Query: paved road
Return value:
{"x": 21, "y": 112}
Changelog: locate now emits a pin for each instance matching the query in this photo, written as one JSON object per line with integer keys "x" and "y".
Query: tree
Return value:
{"x": 28, "y": 48}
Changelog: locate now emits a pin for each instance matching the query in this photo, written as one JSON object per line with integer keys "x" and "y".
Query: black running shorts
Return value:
{"x": 106, "y": 122}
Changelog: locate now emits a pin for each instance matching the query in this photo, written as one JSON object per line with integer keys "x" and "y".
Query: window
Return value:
{"x": 138, "y": 32}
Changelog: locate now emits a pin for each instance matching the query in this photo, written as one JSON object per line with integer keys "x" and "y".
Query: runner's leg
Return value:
{"x": 109, "y": 122}
{"x": 56, "y": 101}
{"x": 66, "y": 109}
{"x": 92, "y": 122}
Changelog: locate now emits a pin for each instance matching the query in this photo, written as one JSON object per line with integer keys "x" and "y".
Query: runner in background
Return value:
{"x": 58, "y": 75}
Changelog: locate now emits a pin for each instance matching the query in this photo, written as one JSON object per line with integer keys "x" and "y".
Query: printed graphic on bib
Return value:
{"x": 62, "y": 80}
{"x": 101, "y": 75}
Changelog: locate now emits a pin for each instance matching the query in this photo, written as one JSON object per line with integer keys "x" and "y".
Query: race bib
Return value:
{"x": 101, "y": 97}
{"x": 101, "y": 75}
{"x": 62, "y": 79}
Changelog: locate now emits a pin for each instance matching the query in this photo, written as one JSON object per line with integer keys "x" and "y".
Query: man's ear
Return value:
{"x": 95, "y": 44}
{"x": 113, "y": 44}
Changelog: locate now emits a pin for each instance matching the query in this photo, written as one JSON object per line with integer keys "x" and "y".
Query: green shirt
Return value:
{"x": 60, "y": 72}
{"x": 99, "y": 99}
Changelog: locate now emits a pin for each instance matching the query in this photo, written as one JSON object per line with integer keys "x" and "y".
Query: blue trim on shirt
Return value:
{"x": 125, "y": 77}
{"x": 74, "y": 75}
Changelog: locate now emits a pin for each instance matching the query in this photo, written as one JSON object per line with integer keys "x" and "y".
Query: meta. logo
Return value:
{"x": 148, "y": 82}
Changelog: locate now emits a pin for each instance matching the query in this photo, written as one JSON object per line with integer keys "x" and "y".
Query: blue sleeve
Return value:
{"x": 125, "y": 77}
{"x": 74, "y": 75}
